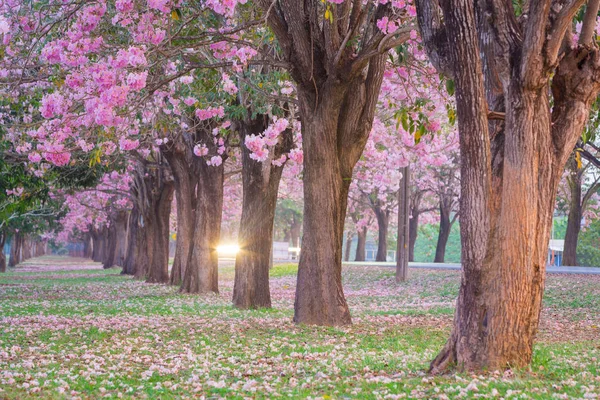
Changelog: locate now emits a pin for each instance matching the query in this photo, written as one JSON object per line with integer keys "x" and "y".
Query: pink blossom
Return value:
{"x": 137, "y": 81}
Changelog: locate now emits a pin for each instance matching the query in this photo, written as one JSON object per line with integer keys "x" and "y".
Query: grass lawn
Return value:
{"x": 70, "y": 329}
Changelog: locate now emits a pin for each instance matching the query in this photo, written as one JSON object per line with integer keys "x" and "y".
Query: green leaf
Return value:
{"x": 450, "y": 86}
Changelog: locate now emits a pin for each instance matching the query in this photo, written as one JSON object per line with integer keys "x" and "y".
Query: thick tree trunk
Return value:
{"x": 413, "y": 233}
{"x": 87, "y": 245}
{"x": 158, "y": 271}
{"x": 100, "y": 244}
{"x": 260, "y": 186}
{"x": 361, "y": 244}
{"x": 509, "y": 177}
{"x": 116, "y": 240}
{"x": 148, "y": 242}
{"x": 135, "y": 242}
{"x": 383, "y": 220}
{"x": 121, "y": 234}
{"x": 111, "y": 246}
{"x": 573, "y": 219}
{"x": 15, "y": 250}
{"x": 201, "y": 274}
{"x": 26, "y": 249}
{"x": 444, "y": 234}
{"x": 180, "y": 158}
{"x": 338, "y": 87}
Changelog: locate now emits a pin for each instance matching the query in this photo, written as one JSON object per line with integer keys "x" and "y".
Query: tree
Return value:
{"x": 508, "y": 68}
{"x": 337, "y": 63}
{"x": 260, "y": 185}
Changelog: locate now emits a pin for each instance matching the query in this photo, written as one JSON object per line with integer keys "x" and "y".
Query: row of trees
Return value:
{"x": 176, "y": 98}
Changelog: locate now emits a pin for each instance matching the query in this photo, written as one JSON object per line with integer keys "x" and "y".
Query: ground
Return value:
{"x": 71, "y": 329}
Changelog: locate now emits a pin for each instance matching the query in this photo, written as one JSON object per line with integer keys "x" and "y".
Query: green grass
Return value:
{"x": 94, "y": 333}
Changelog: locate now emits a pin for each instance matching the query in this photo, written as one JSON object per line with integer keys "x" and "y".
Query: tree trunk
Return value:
{"x": 260, "y": 182}
{"x": 158, "y": 271}
{"x": 402, "y": 253}
{"x": 111, "y": 245}
{"x": 413, "y": 233}
{"x": 509, "y": 177}
{"x": 180, "y": 158}
{"x": 26, "y": 249}
{"x": 137, "y": 243}
{"x": 444, "y": 234}
{"x": 100, "y": 244}
{"x": 15, "y": 250}
{"x": 201, "y": 274}
{"x": 383, "y": 219}
{"x": 349, "y": 237}
{"x": 121, "y": 233}
{"x": 574, "y": 218}
{"x": 148, "y": 243}
{"x": 87, "y": 245}
{"x": 361, "y": 244}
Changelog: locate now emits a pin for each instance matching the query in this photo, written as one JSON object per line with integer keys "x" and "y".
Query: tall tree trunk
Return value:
{"x": 260, "y": 182}
{"x": 137, "y": 244}
{"x": 383, "y": 219}
{"x": 100, "y": 244}
{"x": 26, "y": 249}
{"x": 15, "y": 250}
{"x": 509, "y": 174}
{"x": 121, "y": 222}
{"x": 402, "y": 246}
{"x": 87, "y": 245}
{"x": 444, "y": 234}
{"x": 179, "y": 155}
{"x": 158, "y": 271}
{"x": 337, "y": 91}
{"x": 201, "y": 274}
{"x": 574, "y": 217}
{"x": 148, "y": 244}
{"x": 361, "y": 244}
{"x": 413, "y": 233}
{"x": 111, "y": 245}
{"x": 349, "y": 237}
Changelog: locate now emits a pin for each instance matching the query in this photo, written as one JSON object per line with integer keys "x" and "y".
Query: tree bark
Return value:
{"x": 361, "y": 244}
{"x": 201, "y": 274}
{"x": 383, "y": 220}
{"x": 111, "y": 245}
{"x": 158, "y": 271}
{"x": 349, "y": 237}
{"x": 260, "y": 182}
{"x": 402, "y": 253}
{"x": 444, "y": 233}
{"x": 509, "y": 171}
{"x": 26, "y": 249}
{"x": 338, "y": 87}
{"x": 180, "y": 157}
{"x": 413, "y": 233}
{"x": 15, "y": 250}
{"x": 87, "y": 245}
{"x": 574, "y": 217}
{"x": 121, "y": 222}
{"x": 148, "y": 243}
{"x": 136, "y": 241}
